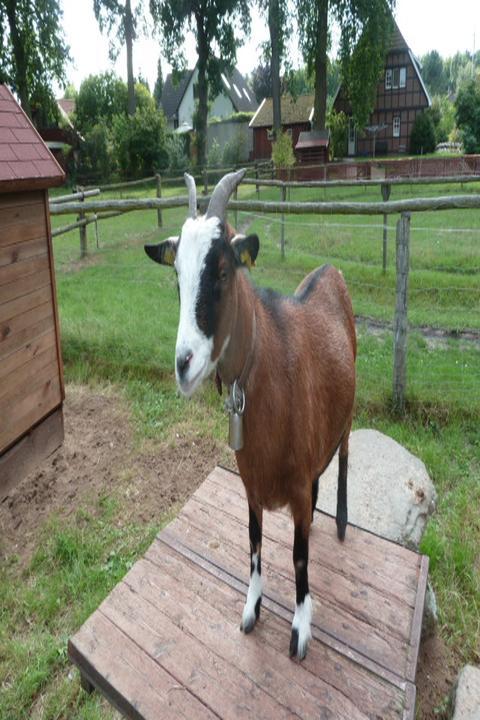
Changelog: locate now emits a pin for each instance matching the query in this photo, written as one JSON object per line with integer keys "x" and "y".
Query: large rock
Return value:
{"x": 467, "y": 694}
{"x": 389, "y": 490}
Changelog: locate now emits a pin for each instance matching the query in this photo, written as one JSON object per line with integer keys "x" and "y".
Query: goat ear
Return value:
{"x": 164, "y": 252}
{"x": 246, "y": 249}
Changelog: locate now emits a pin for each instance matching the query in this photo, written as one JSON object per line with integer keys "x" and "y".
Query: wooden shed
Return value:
{"x": 31, "y": 374}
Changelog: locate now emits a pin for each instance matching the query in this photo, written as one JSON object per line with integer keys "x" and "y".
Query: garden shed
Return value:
{"x": 31, "y": 374}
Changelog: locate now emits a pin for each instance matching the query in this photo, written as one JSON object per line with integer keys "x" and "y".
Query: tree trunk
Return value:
{"x": 320, "y": 102}
{"x": 20, "y": 70}
{"x": 275, "y": 63}
{"x": 129, "y": 33}
{"x": 201, "y": 113}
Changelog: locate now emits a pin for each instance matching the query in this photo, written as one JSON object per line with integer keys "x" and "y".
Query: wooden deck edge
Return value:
{"x": 274, "y": 605}
{"x": 99, "y": 682}
{"x": 31, "y": 449}
{"x": 411, "y": 697}
{"x": 416, "y": 631}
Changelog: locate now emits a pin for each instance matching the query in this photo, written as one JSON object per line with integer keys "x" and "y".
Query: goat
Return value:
{"x": 294, "y": 360}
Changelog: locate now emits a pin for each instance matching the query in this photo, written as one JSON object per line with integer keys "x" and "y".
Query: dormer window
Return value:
{"x": 395, "y": 78}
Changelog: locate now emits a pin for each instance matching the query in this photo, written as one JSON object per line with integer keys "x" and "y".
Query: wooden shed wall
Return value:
{"x": 31, "y": 379}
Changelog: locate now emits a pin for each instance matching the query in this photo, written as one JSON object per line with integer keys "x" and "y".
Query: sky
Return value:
{"x": 423, "y": 24}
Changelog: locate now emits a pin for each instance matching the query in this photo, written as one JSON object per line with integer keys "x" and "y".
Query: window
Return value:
{"x": 396, "y": 126}
{"x": 403, "y": 77}
{"x": 237, "y": 91}
{"x": 395, "y": 76}
{"x": 388, "y": 79}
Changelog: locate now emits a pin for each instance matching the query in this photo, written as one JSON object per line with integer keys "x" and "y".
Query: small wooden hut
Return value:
{"x": 31, "y": 374}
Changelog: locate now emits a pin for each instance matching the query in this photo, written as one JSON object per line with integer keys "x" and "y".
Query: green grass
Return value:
{"x": 119, "y": 315}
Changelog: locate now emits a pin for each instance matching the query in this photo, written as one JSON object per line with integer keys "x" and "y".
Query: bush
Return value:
{"x": 422, "y": 139}
{"x": 234, "y": 150}
{"x": 282, "y": 151}
{"x": 337, "y": 123}
{"x": 467, "y": 110}
{"x": 139, "y": 142}
{"x": 215, "y": 154}
{"x": 177, "y": 157}
{"x": 96, "y": 156}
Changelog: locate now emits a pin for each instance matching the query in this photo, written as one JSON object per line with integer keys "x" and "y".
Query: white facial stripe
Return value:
{"x": 195, "y": 242}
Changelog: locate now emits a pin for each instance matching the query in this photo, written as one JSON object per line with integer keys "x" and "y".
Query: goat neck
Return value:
{"x": 238, "y": 354}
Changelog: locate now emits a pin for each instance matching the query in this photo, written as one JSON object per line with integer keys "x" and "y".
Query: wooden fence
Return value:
{"x": 108, "y": 208}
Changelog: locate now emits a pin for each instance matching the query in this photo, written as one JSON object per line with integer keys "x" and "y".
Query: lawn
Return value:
{"x": 119, "y": 314}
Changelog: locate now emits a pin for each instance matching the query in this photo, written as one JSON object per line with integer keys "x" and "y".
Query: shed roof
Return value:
{"x": 25, "y": 160}
{"x": 293, "y": 111}
{"x": 312, "y": 139}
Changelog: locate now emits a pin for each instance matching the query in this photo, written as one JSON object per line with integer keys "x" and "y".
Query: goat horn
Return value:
{"x": 221, "y": 194}
{"x": 192, "y": 195}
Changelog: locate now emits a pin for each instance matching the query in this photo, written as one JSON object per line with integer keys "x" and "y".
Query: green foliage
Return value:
{"x": 261, "y": 81}
{"x": 100, "y": 98}
{"x": 96, "y": 158}
{"x": 467, "y": 112}
{"x": 139, "y": 142}
{"x": 158, "y": 89}
{"x": 177, "y": 157}
{"x": 433, "y": 73}
{"x": 214, "y": 154}
{"x": 33, "y": 52}
{"x": 282, "y": 151}
{"x": 235, "y": 149}
{"x": 443, "y": 115}
{"x": 422, "y": 139}
{"x": 70, "y": 92}
{"x": 337, "y": 123}
{"x": 297, "y": 82}
{"x": 117, "y": 21}
{"x": 238, "y": 117}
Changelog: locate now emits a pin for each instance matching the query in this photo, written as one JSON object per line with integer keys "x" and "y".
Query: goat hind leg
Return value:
{"x": 251, "y": 610}
{"x": 342, "y": 512}
{"x": 301, "y": 630}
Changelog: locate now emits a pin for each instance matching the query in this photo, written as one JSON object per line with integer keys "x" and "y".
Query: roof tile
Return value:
{"x": 293, "y": 111}
{"x": 23, "y": 154}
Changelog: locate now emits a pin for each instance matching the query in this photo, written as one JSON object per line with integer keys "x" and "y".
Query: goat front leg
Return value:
{"x": 301, "y": 630}
{"x": 342, "y": 512}
{"x": 251, "y": 611}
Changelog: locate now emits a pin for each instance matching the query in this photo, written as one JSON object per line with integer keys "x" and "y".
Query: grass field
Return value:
{"x": 118, "y": 318}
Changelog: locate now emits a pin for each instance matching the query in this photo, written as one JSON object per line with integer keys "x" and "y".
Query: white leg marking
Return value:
{"x": 254, "y": 593}
{"x": 301, "y": 623}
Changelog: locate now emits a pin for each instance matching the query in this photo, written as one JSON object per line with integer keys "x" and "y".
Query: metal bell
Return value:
{"x": 235, "y": 431}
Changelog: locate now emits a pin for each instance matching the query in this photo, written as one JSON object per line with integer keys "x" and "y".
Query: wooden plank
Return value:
{"x": 32, "y": 449}
{"x": 26, "y": 353}
{"x": 13, "y": 331}
{"x": 14, "y": 199}
{"x": 362, "y": 590}
{"x": 23, "y": 286}
{"x": 12, "y": 273}
{"x": 416, "y": 631}
{"x": 53, "y": 286}
{"x": 20, "y": 378}
{"x": 22, "y": 338}
{"x": 41, "y": 400}
{"x": 331, "y": 617}
{"x": 211, "y": 611}
{"x": 16, "y": 252}
{"x": 21, "y": 223}
{"x": 134, "y": 682}
{"x": 369, "y": 551}
{"x": 208, "y": 676}
{"x": 24, "y": 303}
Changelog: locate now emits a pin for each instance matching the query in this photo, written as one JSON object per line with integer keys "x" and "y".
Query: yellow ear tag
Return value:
{"x": 168, "y": 256}
{"x": 246, "y": 259}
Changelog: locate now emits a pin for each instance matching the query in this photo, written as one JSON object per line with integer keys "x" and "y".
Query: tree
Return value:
{"x": 422, "y": 138}
{"x": 217, "y": 25}
{"x": 467, "y": 112}
{"x": 261, "y": 81}
{"x": 158, "y": 89}
{"x": 433, "y": 73}
{"x": 117, "y": 19}
{"x": 100, "y": 98}
{"x": 139, "y": 142}
{"x": 365, "y": 29}
{"x": 279, "y": 21}
{"x": 33, "y": 52}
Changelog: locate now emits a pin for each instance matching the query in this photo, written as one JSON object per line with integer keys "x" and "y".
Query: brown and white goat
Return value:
{"x": 296, "y": 359}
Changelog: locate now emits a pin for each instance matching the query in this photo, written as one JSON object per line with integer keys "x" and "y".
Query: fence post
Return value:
{"x": 386, "y": 189}
{"x": 400, "y": 325}
{"x": 82, "y": 229}
{"x": 282, "y": 226}
{"x": 159, "y": 195}
{"x": 256, "y": 177}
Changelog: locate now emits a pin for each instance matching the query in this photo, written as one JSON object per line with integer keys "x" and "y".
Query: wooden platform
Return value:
{"x": 166, "y": 642}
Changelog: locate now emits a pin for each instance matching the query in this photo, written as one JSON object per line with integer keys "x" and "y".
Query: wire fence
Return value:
{"x": 443, "y": 361}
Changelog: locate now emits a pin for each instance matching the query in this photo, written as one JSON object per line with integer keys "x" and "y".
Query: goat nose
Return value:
{"x": 183, "y": 361}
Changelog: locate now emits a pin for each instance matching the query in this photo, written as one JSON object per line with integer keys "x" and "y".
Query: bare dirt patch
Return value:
{"x": 436, "y": 675}
{"x": 100, "y": 458}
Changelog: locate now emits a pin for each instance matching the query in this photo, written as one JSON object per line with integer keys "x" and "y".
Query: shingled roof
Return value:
{"x": 25, "y": 160}
{"x": 293, "y": 111}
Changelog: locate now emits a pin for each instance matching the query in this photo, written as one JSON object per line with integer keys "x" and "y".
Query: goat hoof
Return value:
{"x": 298, "y": 648}
{"x": 249, "y": 619}
{"x": 341, "y": 527}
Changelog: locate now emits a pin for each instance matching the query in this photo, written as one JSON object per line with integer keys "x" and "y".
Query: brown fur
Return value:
{"x": 300, "y": 390}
